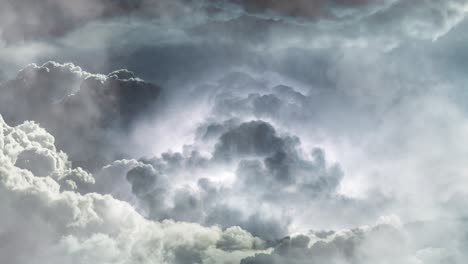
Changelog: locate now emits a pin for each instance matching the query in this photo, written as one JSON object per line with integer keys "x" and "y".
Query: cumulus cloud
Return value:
{"x": 386, "y": 241}
{"x": 382, "y": 244}
{"x": 86, "y": 112}
{"x": 59, "y": 226}
{"x": 284, "y": 131}
{"x": 249, "y": 179}
{"x": 254, "y": 138}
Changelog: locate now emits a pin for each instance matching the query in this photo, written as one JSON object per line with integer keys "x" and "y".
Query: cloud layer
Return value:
{"x": 230, "y": 131}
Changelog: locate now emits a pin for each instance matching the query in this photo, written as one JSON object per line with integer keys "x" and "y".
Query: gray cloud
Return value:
{"x": 255, "y": 138}
{"x": 268, "y": 168}
{"x": 27, "y": 20}
{"x": 284, "y": 132}
{"x": 93, "y": 227}
{"x": 381, "y": 243}
{"x": 84, "y": 111}
{"x": 350, "y": 247}
{"x": 299, "y": 8}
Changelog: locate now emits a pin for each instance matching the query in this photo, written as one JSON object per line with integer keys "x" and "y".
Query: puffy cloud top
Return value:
{"x": 323, "y": 131}
{"x": 79, "y": 106}
{"x": 61, "y": 226}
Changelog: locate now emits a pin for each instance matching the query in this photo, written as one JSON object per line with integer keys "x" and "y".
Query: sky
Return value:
{"x": 233, "y": 132}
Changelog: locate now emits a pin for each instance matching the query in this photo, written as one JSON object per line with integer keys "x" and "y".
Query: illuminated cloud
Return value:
{"x": 249, "y": 132}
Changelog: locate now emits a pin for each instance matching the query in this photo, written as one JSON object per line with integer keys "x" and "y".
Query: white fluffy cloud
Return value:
{"x": 43, "y": 224}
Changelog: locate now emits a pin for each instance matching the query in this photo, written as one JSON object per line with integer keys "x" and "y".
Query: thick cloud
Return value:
{"x": 40, "y": 89}
{"x": 53, "y": 88}
{"x": 399, "y": 17}
{"x": 255, "y": 138}
{"x": 386, "y": 242}
{"x": 29, "y": 20}
{"x": 63, "y": 226}
{"x": 381, "y": 244}
{"x": 285, "y": 130}
{"x": 86, "y": 112}
{"x": 280, "y": 103}
{"x": 43, "y": 224}
{"x": 251, "y": 176}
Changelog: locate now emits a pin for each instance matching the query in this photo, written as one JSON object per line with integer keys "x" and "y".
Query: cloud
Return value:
{"x": 86, "y": 112}
{"x": 20, "y": 21}
{"x": 255, "y": 138}
{"x": 400, "y": 17}
{"x": 29, "y": 20}
{"x": 251, "y": 166}
{"x": 299, "y": 8}
{"x": 285, "y": 129}
{"x": 348, "y": 247}
{"x": 384, "y": 242}
{"x": 44, "y": 224}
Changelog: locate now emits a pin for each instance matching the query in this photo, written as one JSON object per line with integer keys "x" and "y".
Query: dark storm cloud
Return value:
{"x": 85, "y": 112}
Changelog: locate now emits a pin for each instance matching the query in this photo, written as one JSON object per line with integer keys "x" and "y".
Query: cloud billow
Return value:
{"x": 265, "y": 165}
{"x": 58, "y": 226}
{"x": 85, "y": 111}
{"x": 249, "y": 132}
{"x": 83, "y": 227}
